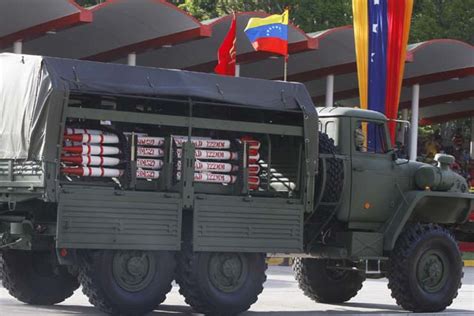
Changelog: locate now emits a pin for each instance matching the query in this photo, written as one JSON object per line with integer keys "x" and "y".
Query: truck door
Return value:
{"x": 373, "y": 172}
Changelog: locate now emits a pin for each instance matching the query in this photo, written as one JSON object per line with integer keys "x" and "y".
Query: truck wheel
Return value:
{"x": 325, "y": 285}
{"x": 35, "y": 277}
{"x": 218, "y": 283}
{"x": 126, "y": 282}
{"x": 425, "y": 269}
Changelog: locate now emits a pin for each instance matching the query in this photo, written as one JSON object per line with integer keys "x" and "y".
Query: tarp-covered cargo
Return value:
{"x": 27, "y": 83}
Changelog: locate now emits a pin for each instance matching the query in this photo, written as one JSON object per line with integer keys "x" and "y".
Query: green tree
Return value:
{"x": 310, "y": 15}
{"x": 443, "y": 19}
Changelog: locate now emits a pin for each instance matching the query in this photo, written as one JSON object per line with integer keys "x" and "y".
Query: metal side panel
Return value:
{"x": 104, "y": 218}
{"x": 247, "y": 224}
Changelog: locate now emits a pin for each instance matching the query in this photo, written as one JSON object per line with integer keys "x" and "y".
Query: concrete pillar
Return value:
{"x": 330, "y": 90}
{"x": 237, "y": 70}
{"x": 18, "y": 47}
{"x": 415, "y": 110}
{"x": 132, "y": 59}
{"x": 472, "y": 137}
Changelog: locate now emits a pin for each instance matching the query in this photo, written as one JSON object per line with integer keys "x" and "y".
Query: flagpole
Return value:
{"x": 285, "y": 68}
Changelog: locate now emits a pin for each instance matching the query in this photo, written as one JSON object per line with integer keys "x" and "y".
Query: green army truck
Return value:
{"x": 122, "y": 179}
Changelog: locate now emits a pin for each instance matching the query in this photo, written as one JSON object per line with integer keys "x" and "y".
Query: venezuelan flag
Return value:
{"x": 381, "y": 29}
{"x": 269, "y": 34}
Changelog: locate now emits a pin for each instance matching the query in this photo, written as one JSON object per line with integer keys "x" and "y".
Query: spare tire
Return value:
{"x": 330, "y": 180}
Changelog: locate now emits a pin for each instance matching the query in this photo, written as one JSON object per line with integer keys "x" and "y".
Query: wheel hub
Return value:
{"x": 431, "y": 271}
{"x": 227, "y": 272}
{"x": 133, "y": 270}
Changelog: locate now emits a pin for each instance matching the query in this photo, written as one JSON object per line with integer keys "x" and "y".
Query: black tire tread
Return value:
{"x": 12, "y": 274}
{"x": 97, "y": 295}
{"x": 308, "y": 283}
{"x": 189, "y": 289}
{"x": 398, "y": 279}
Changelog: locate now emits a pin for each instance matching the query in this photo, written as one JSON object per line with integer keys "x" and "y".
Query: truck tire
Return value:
{"x": 126, "y": 282}
{"x": 215, "y": 283}
{"x": 325, "y": 285}
{"x": 35, "y": 278}
{"x": 425, "y": 269}
{"x": 334, "y": 172}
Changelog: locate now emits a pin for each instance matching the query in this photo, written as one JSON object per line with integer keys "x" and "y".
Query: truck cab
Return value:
{"x": 376, "y": 180}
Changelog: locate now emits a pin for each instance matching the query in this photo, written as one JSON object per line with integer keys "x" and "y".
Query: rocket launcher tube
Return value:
{"x": 91, "y": 160}
{"x": 147, "y": 163}
{"x": 150, "y": 152}
{"x": 92, "y": 172}
{"x": 93, "y": 139}
{"x": 92, "y": 150}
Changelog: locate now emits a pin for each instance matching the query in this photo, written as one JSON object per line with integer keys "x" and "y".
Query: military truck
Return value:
{"x": 122, "y": 179}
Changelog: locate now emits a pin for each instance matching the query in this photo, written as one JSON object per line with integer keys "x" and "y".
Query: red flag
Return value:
{"x": 226, "y": 55}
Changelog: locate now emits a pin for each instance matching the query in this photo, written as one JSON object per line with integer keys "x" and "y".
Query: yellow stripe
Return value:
{"x": 469, "y": 263}
{"x": 361, "y": 38}
{"x": 272, "y": 19}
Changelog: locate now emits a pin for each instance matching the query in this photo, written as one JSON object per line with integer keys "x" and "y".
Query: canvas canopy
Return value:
{"x": 28, "y": 82}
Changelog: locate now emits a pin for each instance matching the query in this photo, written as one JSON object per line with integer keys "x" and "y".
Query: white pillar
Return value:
{"x": 415, "y": 107}
{"x": 330, "y": 90}
{"x": 237, "y": 70}
{"x": 472, "y": 137}
{"x": 132, "y": 59}
{"x": 18, "y": 47}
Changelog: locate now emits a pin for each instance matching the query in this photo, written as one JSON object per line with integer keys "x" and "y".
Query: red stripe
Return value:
{"x": 88, "y": 160}
{"x": 101, "y": 150}
{"x": 88, "y": 149}
{"x": 101, "y": 138}
{"x": 471, "y": 217}
{"x": 396, "y": 17}
{"x": 271, "y": 44}
{"x": 101, "y": 160}
{"x": 466, "y": 246}
{"x": 90, "y": 170}
{"x": 101, "y": 172}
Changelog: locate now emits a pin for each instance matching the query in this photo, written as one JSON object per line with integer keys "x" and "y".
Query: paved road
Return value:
{"x": 281, "y": 297}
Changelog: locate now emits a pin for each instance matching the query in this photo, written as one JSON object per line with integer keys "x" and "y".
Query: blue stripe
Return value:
{"x": 270, "y": 30}
{"x": 378, "y": 26}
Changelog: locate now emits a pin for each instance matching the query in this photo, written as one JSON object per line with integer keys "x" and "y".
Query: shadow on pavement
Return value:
{"x": 166, "y": 310}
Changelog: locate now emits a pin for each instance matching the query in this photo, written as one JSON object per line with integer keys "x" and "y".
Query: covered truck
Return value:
{"x": 123, "y": 178}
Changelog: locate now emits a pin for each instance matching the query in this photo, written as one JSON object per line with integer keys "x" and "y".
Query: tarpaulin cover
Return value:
{"x": 24, "y": 90}
{"x": 26, "y": 82}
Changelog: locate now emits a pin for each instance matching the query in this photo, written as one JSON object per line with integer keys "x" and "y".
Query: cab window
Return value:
{"x": 329, "y": 127}
{"x": 369, "y": 137}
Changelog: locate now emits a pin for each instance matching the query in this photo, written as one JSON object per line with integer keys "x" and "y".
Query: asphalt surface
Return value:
{"x": 281, "y": 297}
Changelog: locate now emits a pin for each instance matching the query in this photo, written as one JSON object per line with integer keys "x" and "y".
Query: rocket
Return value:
{"x": 92, "y": 150}
{"x": 203, "y": 143}
{"x": 92, "y": 172}
{"x": 204, "y": 166}
{"x": 150, "y": 141}
{"x": 90, "y": 160}
{"x": 92, "y": 139}
{"x": 150, "y": 152}
{"x": 148, "y": 163}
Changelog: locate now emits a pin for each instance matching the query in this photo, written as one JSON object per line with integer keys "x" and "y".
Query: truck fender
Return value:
{"x": 427, "y": 207}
